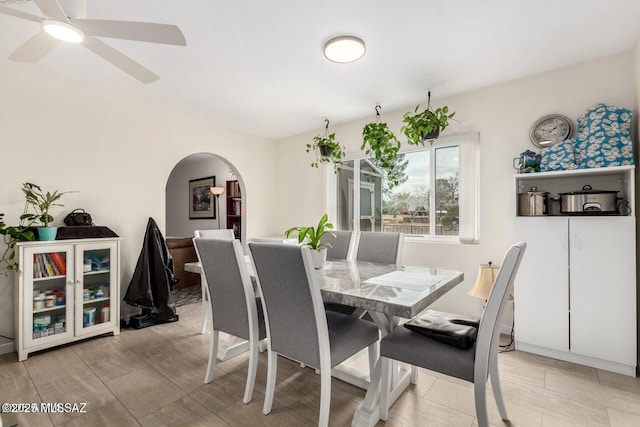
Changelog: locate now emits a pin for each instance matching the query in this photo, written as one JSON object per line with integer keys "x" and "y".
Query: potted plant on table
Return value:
{"x": 42, "y": 202}
{"x": 425, "y": 125}
{"x": 312, "y": 237}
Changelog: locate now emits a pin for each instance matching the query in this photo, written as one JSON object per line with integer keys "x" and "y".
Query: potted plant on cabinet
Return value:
{"x": 425, "y": 125}
{"x": 12, "y": 235}
{"x": 42, "y": 202}
{"x": 312, "y": 237}
{"x": 327, "y": 149}
{"x": 380, "y": 142}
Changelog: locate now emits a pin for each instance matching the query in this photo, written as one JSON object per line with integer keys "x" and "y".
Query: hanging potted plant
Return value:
{"x": 312, "y": 237}
{"x": 42, "y": 202}
{"x": 380, "y": 142}
{"x": 327, "y": 149}
{"x": 12, "y": 235}
{"x": 425, "y": 125}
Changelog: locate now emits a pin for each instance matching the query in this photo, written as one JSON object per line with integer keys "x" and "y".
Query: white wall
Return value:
{"x": 177, "y": 211}
{"x": 503, "y": 115}
{"x": 118, "y": 155}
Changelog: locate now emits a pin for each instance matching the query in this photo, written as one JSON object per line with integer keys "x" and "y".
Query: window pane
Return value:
{"x": 370, "y": 196}
{"x": 345, "y": 196}
{"x": 446, "y": 191}
{"x": 406, "y": 206}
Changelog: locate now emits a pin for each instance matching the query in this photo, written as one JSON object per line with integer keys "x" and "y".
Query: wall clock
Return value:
{"x": 550, "y": 129}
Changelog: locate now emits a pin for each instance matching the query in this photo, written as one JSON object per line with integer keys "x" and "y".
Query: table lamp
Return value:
{"x": 217, "y": 191}
{"x": 486, "y": 277}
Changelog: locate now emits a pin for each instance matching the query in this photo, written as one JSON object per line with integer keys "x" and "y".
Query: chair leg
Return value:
{"x": 384, "y": 387}
{"x": 325, "y": 398}
{"x": 497, "y": 390}
{"x": 272, "y": 368}
{"x": 253, "y": 368}
{"x": 480, "y": 394}
{"x": 213, "y": 354}
{"x": 206, "y": 304}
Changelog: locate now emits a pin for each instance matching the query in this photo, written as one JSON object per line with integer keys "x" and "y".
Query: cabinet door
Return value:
{"x": 96, "y": 287}
{"x": 541, "y": 299}
{"x": 603, "y": 288}
{"x": 48, "y": 295}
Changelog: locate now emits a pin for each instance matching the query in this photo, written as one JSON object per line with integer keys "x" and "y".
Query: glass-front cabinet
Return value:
{"x": 65, "y": 291}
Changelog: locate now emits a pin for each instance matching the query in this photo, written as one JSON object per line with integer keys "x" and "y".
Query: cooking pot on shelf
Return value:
{"x": 533, "y": 203}
{"x": 589, "y": 201}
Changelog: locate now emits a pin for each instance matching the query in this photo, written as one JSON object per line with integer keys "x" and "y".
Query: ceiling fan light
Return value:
{"x": 62, "y": 31}
{"x": 344, "y": 49}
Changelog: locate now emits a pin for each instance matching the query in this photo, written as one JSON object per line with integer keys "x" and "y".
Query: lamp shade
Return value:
{"x": 216, "y": 191}
{"x": 487, "y": 274}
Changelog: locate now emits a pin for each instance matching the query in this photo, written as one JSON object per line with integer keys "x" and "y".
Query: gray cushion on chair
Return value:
{"x": 222, "y": 274}
{"x": 348, "y": 335}
{"x": 339, "y": 244}
{"x": 381, "y": 247}
{"x": 408, "y": 346}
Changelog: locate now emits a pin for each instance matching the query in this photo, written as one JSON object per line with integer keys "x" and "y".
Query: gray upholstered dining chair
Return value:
{"x": 235, "y": 308}
{"x": 474, "y": 364}
{"x": 342, "y": 247}
{"x": 214, "y": 233}
{"x": 342, "y": 244}
{"x": 380, "y": 247}
{"x": 297, "y": 325}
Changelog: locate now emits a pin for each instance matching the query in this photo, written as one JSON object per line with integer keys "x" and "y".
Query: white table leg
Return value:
{"x": 368, "y": 412}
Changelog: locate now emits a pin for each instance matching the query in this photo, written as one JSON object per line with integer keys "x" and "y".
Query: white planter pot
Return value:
{"x": 319, "y": 257}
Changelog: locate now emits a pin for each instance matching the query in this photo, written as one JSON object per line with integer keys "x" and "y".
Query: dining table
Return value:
{"x": 389, "y": 294}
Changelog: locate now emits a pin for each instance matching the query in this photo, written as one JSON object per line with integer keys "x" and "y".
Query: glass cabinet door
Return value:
{"x": 49, "y": 294}
{"x": 95, "y": 286}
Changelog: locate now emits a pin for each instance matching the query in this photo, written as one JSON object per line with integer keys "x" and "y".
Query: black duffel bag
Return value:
{"x": 78, "y": 217}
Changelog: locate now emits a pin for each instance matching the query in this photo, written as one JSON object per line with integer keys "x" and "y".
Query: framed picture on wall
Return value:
{"x": 201, "y": 201}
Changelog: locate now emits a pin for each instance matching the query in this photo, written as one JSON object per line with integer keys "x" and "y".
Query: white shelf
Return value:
{"x": 91, "y": 301}
{"x": 575, "y": 172}
{"x": 92, "y": 272}
{"x": 55, "y": 307}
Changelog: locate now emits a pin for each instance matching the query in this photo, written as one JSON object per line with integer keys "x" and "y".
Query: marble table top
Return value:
{"x": 403, "y": 294}
{"x": 346, "y": 282}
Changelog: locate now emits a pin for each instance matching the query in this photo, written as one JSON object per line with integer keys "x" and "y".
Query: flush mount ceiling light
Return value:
{"x": 62, "y": 31}
{"x": 344, "y": 49}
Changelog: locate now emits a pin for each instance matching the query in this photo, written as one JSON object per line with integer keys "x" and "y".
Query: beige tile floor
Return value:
{"x": 154, "y": 377}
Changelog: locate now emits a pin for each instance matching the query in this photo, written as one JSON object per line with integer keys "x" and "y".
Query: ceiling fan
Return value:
{"x": 57, "y": 27}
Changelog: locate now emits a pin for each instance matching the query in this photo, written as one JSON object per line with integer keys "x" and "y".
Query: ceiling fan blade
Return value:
{"x": 52, "y": 9}
{"x": 19, "y": 14}
{"x": 140, "y": 31}
{"x": 35, "y": 49}
{"x": 120, "y": 60}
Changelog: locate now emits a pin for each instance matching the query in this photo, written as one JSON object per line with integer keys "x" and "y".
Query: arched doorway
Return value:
{"x": 179, "y": 218}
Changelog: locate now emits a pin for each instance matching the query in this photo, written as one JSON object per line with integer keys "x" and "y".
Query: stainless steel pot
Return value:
{"x": 533, "y": 203}
{"x": 589, "y": 201}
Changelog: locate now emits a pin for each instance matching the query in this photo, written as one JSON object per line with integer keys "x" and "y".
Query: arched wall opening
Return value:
{"x": 178, "y": 197}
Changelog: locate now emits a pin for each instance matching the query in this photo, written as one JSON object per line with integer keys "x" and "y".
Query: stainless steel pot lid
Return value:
{"x": 587, "y": 189}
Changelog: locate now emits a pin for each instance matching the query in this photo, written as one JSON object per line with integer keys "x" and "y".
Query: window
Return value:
{"x": 435, "y": 199}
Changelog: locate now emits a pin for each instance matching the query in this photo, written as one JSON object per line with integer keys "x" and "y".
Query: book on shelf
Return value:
{"x": 59, "y": 262}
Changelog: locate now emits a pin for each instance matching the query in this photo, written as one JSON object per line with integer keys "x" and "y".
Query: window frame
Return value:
{"x": 471, "y": 138}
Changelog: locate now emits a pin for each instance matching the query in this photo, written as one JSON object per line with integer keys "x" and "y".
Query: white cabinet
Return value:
{"x": 65, "y": 291}
{"x": 575, "y": 292}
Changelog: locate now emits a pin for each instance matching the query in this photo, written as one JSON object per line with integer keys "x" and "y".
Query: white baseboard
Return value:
{"x": 579, "y": 359}
{"x": 6, "y": 346}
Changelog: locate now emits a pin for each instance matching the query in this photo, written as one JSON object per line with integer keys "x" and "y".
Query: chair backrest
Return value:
{"x": 488, "y": 339}
{"x": 341, "y": 245}
{"x": 380, "y": 247}
{"x": 294, "y": 315}
{"x": 215, "y": 233}
{"x": 231, "y": 291}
